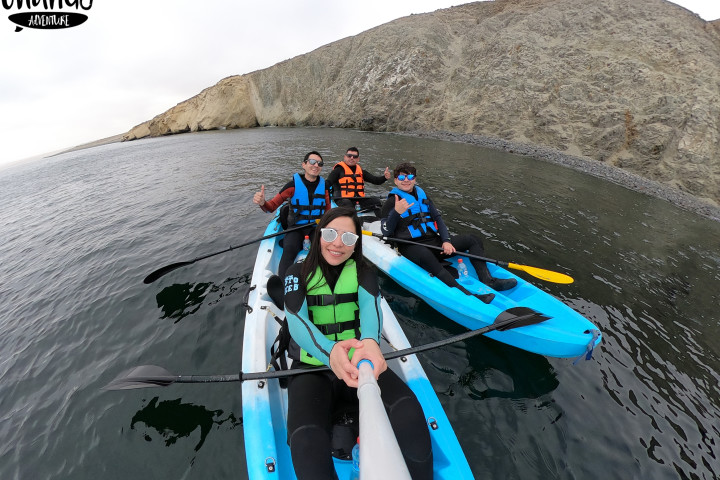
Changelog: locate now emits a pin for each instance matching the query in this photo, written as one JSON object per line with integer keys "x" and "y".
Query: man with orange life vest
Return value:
{"x": 408, "y": 213}
{"x": 308, "y": 199}
{"x": 347, "y": 181}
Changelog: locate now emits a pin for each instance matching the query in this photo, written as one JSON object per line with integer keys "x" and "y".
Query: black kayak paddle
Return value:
{"x": 173, "y": 266}
{"x": 154, "y": 376}
{"x": 541, "y": 273}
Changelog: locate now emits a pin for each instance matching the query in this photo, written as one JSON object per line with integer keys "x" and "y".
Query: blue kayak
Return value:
{"x": 566, "y": 334}
{"x": 264, "y": 402}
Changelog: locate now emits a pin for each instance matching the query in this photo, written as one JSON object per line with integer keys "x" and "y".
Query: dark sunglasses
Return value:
{"x": 330, "y": 234}
{"x": 351, "y": 155}
{"x": 312, "y": 161}
{"x": 402, "y": 176}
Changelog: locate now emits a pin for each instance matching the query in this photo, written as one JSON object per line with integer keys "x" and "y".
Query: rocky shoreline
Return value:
{"x": 103, "y": 141}
{"x": 604, "y": 171}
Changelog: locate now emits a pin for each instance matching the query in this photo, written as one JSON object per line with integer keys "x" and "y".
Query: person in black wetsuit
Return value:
{"x": 332, "y": 305}
{"x": 347, "y": 181}
{"x": 409, "y": 214}
{"x": 308, "y": 199}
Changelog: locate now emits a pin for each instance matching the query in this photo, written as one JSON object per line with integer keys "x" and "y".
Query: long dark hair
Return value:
{"x": 315, "y": 259}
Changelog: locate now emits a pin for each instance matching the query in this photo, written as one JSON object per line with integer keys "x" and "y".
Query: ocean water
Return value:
{"x": 80, "y": 231}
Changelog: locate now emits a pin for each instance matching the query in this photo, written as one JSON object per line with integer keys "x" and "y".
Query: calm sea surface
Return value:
{"x": 80, "y": 231}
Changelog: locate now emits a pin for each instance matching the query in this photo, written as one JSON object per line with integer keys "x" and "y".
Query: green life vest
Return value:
{"x": 334, "y": 312}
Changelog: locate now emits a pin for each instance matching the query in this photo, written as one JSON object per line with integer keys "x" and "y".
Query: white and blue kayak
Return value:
{"x": 264, "y": 402}
{"x": 566, "y": 334}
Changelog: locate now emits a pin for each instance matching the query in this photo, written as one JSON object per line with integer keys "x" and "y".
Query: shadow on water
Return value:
{"x": 492, "y": 373}
{"x": 180, "y": 300}
{"x": 490, "y": 369}
{"x": 174, "y": 420}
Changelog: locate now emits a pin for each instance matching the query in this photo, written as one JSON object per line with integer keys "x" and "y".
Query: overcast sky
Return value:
{"x": 134, "y": 59}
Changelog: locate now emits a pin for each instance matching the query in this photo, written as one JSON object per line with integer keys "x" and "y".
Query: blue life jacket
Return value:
{"x": 306, "y": 209}
{"x": 416, "y": 221}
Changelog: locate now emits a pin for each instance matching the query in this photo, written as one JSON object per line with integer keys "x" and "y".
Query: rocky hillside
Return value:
{"x": 630, "y": 83}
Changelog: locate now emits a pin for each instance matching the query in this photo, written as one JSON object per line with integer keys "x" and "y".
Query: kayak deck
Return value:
{"x": 264, "y": 402}
{"x": 566, "y": 334}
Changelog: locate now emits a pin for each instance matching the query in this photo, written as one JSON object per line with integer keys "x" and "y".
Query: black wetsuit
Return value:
{"x": 429, "y": 259}
{"x": 333, "y": 182}
{"x": 317, "y": 400}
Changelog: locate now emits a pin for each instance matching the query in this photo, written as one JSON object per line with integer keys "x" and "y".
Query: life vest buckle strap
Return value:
{"x": 327, "y": 300}
{"x": 335, "y": 328}
{"x": 320, "y": 300}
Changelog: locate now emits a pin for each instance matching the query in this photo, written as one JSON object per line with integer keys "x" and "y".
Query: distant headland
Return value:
{"x": 620, "y": 89}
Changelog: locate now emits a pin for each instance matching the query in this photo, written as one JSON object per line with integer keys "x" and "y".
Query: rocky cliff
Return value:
{"x": 629, "y": 83}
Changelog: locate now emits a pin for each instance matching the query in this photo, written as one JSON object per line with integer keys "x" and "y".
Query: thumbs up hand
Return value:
{"x": 259, "y": 197}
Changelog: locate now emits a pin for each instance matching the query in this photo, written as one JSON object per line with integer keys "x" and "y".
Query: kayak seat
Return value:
{"x": 450, "y": 269}
{"x": 276, "y": 291}
{"x": 369, "y": 218}
{"x": 283, "y": 216}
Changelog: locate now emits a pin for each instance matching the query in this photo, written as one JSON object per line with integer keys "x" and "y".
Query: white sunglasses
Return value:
{"x": 330, "y": 234}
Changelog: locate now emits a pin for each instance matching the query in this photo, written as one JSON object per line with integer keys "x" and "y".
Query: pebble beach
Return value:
{"x": 607, "y": 172}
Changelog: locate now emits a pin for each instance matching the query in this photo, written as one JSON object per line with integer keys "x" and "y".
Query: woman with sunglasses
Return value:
{"x": 408, "y": 213}
{"x": 332, "y": 305}
{"x": 308, "y": 199}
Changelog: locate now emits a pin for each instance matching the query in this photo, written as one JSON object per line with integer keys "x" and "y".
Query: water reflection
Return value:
{"x": 180, "y": 300}
{"x": 229, "y": 287}
{"x": 494, "y": 370}
{"x": 494, "y": 373}
{"x": 174, "y": 420}
{"x": 657, "y": 369}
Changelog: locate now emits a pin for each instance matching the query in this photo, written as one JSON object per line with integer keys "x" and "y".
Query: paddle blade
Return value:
{"x": 542, "y": 274}
{"x": 518, "y": 317}
{"x": 163, "y": 271}
{"x": 142, "y": 377}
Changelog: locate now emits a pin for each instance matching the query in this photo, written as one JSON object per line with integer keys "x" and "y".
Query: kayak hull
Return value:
{"x": 264, "y": 402}
{"x": 566, "y": 334}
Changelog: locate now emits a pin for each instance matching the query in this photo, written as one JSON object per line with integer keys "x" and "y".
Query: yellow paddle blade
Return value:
{"x": 542, "y": 274}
